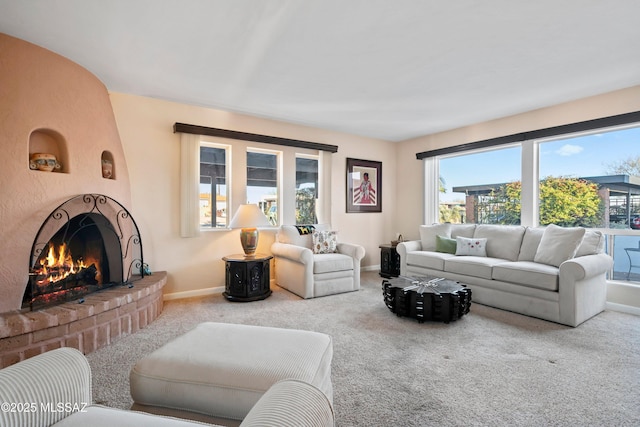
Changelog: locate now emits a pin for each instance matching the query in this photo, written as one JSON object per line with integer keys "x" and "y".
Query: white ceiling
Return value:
{"x": 388, "y": 69}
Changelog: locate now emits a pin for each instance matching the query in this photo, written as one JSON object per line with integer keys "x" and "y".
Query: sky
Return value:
{"x": 588, "y": 155}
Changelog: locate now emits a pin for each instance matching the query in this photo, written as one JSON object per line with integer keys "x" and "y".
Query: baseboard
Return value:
{"x": 199, "y": 292}
{"x": 370, "y": 268}
{"x": 623, "y": 308}
{"x": 195, "y": 293}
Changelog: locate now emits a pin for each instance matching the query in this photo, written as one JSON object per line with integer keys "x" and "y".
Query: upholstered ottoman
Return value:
{"x": 221, "y": 370}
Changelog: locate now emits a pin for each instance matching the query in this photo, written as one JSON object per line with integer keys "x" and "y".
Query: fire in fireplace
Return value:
{"x": 82, "y": 247}
{"x": 59, "y": 265}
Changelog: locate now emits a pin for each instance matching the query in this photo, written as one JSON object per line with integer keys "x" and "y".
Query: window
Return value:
{"x": 479, "y": 187}
{"x": 214, "y": 206}
{"x": 219, "y": 173}
{"x": 306, "y": 189}
{"x": 587, "y": 179}
{"x": 591, "y": 180}
{"x": 262, "y": 182}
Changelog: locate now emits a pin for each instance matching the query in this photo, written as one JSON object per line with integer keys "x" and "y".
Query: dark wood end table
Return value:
{"x": 247, "y": 279}
{"x": 427, "y": 298}
{"x": 389, "y": 261}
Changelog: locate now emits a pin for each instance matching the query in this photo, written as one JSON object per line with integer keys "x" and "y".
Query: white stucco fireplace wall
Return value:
{"x": 48, "y": 104}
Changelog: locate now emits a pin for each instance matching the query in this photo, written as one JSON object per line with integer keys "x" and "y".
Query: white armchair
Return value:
{"x": 311, "y": 275}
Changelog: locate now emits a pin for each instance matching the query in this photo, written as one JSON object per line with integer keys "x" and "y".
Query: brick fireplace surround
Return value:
{"x": 103, "y": 317}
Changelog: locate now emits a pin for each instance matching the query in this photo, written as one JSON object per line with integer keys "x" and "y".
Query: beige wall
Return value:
{"x": 153, "y": 156}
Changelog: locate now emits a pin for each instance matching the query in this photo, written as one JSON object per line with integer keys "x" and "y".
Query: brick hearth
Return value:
{"x": 102, "y": 318}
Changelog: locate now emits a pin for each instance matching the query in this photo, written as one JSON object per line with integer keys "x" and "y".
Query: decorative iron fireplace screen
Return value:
{"x": 88, "y": 243}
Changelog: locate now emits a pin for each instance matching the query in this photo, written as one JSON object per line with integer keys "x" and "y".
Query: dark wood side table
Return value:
{"x": 247, "y": 279}
{"x": 389, "y": 261}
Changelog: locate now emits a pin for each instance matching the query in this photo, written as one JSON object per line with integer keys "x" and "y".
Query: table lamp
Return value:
{"x": 248, "y": 218}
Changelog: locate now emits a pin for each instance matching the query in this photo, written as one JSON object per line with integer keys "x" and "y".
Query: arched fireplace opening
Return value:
{"x": 87, "y": 244}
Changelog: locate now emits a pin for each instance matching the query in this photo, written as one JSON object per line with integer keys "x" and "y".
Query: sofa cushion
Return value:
{"x": 592, "y": 243}
{"x": 558, "y": 244}
{"x": 433, "y": 260}
{"x": 290, "y": 234}
{"x": 428, "y": 235}
{"x": 530, "y": 243}
{"x": 471, "y": 265}
{"x": 503, "y": 241}
{"x": 462, "y": 230}
{"x": 326, "y": 263}
{"x": 473, "y": 247}
{"x": 446, "y": 245}
{"x": 528, "y": 273}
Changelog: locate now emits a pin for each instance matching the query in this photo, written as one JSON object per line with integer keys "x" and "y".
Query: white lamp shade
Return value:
{"x": 249, "y": 216}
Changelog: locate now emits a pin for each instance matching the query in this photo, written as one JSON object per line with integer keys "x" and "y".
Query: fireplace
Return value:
{"x": 87, "y": 244}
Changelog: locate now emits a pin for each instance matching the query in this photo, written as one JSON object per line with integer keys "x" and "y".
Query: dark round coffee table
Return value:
{"x": 427, "y": 298}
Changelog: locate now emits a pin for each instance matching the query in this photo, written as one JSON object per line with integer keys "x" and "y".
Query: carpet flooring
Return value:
{"x": 490, "y": 368}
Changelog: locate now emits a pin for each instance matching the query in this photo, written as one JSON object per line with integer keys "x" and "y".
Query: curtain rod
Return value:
{"x": 245, "y": 136}
{"x": 604, "y": 122}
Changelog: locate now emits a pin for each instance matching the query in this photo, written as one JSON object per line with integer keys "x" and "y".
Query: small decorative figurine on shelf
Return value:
{"x": 43, "y": 162}
{"x": 107, "y": 169}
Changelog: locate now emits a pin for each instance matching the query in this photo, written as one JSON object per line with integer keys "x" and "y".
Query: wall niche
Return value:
{"x": 108, "y": 165}
{"x": 48, "y": 151}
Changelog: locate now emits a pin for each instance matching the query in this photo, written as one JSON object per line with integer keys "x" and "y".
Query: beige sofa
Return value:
{"x": 553, "y": 273}
{"x": 54, "y": 389}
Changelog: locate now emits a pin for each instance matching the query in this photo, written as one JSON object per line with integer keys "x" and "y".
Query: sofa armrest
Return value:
{"x": 402, "y": 248}
{"x": 408, "y": 246}
{"x": 354, "y": 251}
{"x": 291, "y": 403}
{"x": 583, "y": 288}
{"x": 294, "y": 253}
{"x": 61, "y": 376}
{"x": 587, "y": 266}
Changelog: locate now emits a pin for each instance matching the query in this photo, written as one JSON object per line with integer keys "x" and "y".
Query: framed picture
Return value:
{"x": 364, "y": 186}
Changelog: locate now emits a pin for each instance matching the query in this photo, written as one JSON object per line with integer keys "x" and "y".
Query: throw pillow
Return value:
{"x": 558, "y": 244}
{"x": 462, "y": 230}
{"x": 504, "y": 240}
{"x": 530, "y": 243}
{"x": 474, "y": 247}
{"x": 304, "y": 229}
{"x": 446, "y": 245}
{"x": 325, "y": 242}
{"x": 592, "y": 243}
{"x": 428, "y": 235}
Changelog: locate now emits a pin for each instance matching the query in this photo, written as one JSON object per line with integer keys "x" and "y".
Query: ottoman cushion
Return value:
{"x": 222, "y": 370}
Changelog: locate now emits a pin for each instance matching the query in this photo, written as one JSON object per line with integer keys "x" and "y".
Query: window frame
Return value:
{"x": 318, "y": 159}
{"x": 279, "y": 176}
{"x": 530, "y": 179}
{"x": 237, "y": 178}
{"x": 207, "y": 142}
